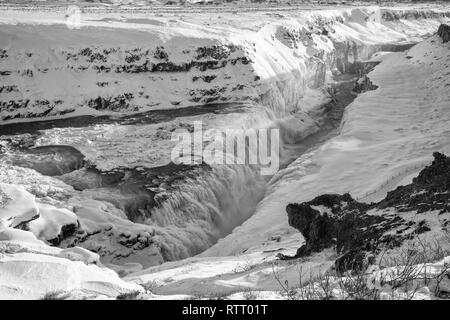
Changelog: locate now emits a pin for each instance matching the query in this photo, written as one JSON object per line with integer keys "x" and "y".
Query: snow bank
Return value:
{"x": 119, "y": 66}
{"x": 31, "y": 276}
{"x": 65, "y": 218}
{"x": 386, "y": 135}
{"x": 30, "y": 269}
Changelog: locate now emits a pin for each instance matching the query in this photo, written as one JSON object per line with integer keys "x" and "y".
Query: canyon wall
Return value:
{"x": 280, "y": 68}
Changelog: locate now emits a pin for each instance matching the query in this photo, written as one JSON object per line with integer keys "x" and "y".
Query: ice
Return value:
{"x": 386, "y": 133}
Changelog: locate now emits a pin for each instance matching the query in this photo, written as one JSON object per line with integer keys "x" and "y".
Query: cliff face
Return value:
{"x": 100, "y": 77}
{"x": 360, "y": 231}
{"x": 52, "y": 71}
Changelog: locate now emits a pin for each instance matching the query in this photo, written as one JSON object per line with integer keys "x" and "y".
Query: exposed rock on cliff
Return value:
{"x": 364, "y": 84}
{"x": 359, "y": 231}
{"x": 444, "y": 32}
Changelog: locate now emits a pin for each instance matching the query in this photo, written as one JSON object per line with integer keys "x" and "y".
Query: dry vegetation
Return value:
{"x": 400, "y": 274}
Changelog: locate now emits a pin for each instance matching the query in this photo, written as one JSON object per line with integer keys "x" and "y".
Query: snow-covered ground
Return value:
{"x": 387, "y": 135}
{"x": 276, "y": 65}
{"x": 30, "y": 269}
{"x": 144, "y": 63}
{"x": 410, "y": 108}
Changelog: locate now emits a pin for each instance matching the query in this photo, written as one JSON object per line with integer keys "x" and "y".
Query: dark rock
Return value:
{"x": 340, "y": 222}
{"x": 66, "y": 231}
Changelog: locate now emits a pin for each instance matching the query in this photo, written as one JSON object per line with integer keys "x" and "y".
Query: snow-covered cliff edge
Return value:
{"x": 130, "y": 65}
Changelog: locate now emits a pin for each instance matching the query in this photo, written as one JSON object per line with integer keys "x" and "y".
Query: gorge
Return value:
{"x": 87, "y": 117}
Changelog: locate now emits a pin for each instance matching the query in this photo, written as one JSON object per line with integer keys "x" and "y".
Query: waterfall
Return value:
{"x": 206, "y": 209}
{"x": 281, "y": 69}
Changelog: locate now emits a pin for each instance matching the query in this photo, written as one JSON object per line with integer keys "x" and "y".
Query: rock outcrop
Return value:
{"x": 359, "y": 231}
{"x": 444, "y": 32}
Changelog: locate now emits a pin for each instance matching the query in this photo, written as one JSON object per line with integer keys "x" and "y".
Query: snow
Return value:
{"x": 386, "y": 133}
{"x": 10, "y": 234}
{"x": 43, "y": 220}
{"x": 80, "y": 254}
{"x": 40, "y": 41}
{"x": 289, "y": 93}
{"x": 31, "y": 276}
{"x": 51, "y": 220}
{"x": 17, "y": 205}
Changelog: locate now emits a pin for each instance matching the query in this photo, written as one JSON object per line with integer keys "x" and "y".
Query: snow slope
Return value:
{"x": 386, "y": 137}
{"x": 410, "y": 108}
{"x": 115, "y": 64}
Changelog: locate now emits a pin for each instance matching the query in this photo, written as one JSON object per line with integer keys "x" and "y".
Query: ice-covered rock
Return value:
{"x": 33, "y": 275}
{"x": 358, "y": 230}
{"x": 17, "y": 206}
